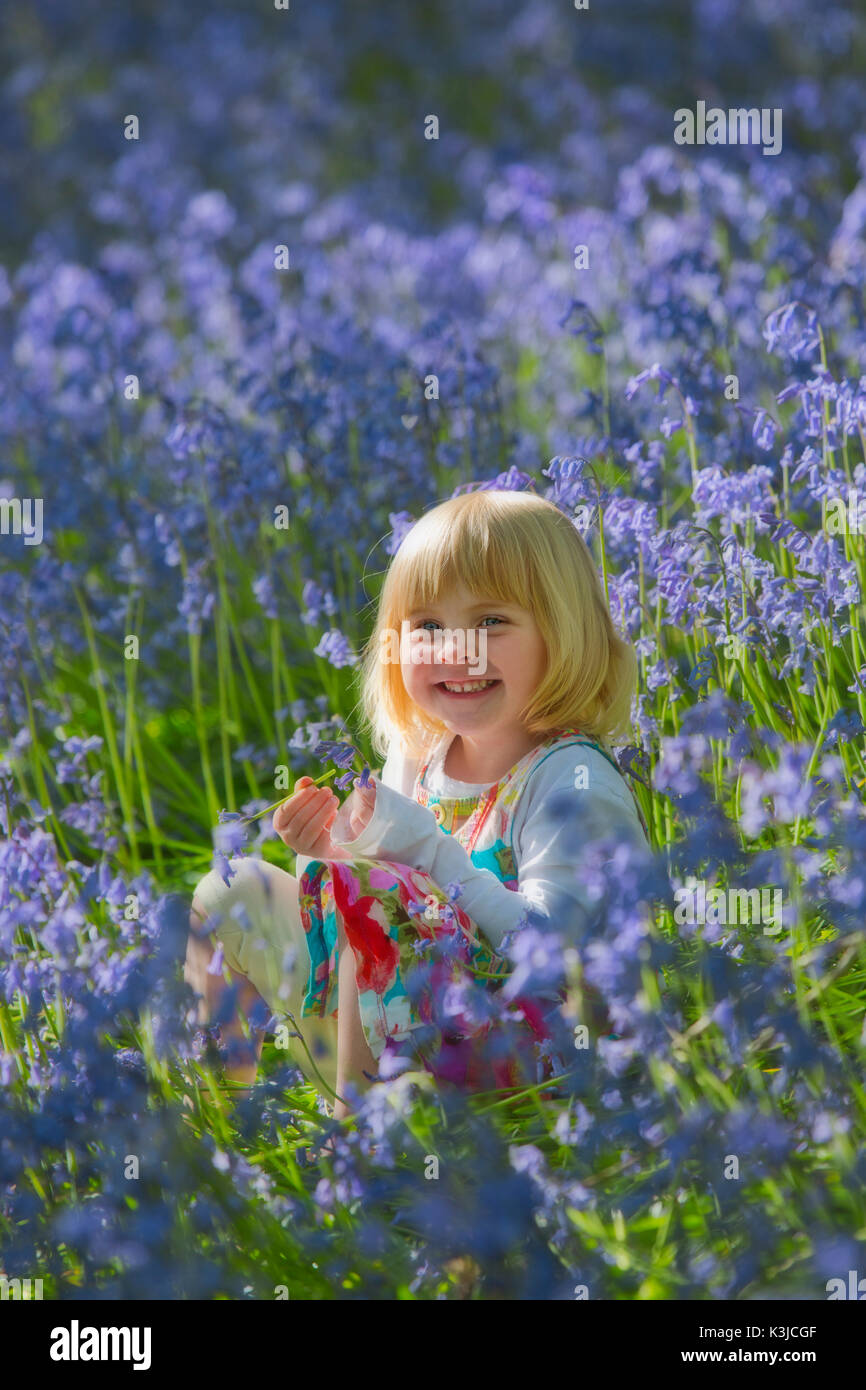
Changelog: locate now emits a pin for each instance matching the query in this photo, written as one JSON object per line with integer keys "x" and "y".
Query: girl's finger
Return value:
{"x": 315, "y": 840}
{"x": 310, "y": 813}
{"x": 297, "y": 801}
{"x": 303, "y": 784}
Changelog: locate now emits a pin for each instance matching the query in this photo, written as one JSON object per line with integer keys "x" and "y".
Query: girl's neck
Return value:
{"x": 486, "y": 762}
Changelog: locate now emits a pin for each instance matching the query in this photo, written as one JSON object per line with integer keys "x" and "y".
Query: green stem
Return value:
{"x": 57, "y": 827}
{"x": 825, "y": 719}
{"x": 110, "y": 735}
{"x": 317, "y": 782}
{"x": 132, "y": 736}
{"x": 198, "y": 712}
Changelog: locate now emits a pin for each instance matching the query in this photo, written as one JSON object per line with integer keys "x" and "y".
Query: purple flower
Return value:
{"x": 792, "y": 329}
{"x": 198, "y": 601}
{"x": 343, "y": 754}
{"x": 263, "y": 589}
{"x": 317, "y": 601}
{"x": 538, "y": 962}
{"x": 229, "y": 837}
{"x": 764, "y": 430}
{"x": 335, "y": 647}
{"x": 223, "y": 867}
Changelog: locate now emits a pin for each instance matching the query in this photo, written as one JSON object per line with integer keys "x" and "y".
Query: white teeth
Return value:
{"x": 469, "y": 685}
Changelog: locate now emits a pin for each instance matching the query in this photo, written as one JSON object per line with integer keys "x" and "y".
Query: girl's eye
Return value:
{"x": 432, "y": 622}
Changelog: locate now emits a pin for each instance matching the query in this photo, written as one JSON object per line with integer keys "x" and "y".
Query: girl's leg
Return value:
{"x": 256, "y": 919}
{"x": 353, "y": 1053}
{"x": 244, "y": 1052}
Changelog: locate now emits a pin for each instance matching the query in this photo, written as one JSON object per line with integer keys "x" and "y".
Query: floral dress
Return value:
{"x": 394, "y": 913}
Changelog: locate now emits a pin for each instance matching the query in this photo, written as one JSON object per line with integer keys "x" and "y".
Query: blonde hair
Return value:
{"x": 518, "y": 548}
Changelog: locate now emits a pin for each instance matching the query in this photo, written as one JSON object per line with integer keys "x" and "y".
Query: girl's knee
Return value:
{"x": 212, "y": 891}
{"x": 212, "y": 899}
{"x": 254, "y": 881}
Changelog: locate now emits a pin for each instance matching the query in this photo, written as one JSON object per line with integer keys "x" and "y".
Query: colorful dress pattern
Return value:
{"x": 392, "y": 913}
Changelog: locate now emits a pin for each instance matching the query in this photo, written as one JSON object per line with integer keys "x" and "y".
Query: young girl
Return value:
{"x": 471, "y": 823}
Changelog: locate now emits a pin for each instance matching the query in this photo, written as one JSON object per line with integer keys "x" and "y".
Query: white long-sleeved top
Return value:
{"x": 540, "y": 836}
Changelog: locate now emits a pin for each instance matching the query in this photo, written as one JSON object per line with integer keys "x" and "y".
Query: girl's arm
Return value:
{"x": 553, "y": 819}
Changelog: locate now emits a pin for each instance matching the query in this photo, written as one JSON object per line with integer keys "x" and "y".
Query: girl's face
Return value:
{"x": 516, "y": 662}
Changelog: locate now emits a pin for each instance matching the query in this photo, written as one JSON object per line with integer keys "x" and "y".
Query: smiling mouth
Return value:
{"x": 466, "y": 690}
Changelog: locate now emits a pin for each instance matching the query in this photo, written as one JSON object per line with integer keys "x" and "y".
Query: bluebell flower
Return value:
{"x": 334, "y": 645}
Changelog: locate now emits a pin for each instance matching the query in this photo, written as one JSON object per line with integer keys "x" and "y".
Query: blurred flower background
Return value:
{"x": 229, "y": 441}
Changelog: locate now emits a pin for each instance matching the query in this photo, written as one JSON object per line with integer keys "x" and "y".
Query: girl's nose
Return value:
{"x": 446, "y": 650}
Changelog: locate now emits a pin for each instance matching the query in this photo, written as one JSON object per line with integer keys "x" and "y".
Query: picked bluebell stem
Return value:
{"x": 225, "y": 816}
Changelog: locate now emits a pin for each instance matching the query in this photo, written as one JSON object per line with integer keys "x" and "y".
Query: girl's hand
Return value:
{"x": 361, "y": 806}
{"x": 304, "y": 820}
